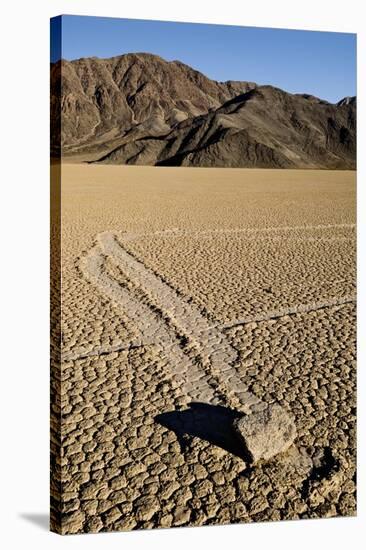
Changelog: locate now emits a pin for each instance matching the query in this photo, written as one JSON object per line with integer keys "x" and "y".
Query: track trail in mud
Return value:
{"x": 199, "y": 355}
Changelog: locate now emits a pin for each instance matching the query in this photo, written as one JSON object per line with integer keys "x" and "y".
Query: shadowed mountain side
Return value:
{"x": 265, "y": 127}
{"x": 106, "y": 98}
{"x": 141, "y": 109}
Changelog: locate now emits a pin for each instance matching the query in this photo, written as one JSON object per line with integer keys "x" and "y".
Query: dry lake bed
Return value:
{"x": 192, "y": 297}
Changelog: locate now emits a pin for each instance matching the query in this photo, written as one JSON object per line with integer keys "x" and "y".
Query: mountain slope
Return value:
{"x": 140, "y": 109}
{"x": 106, "y": 98}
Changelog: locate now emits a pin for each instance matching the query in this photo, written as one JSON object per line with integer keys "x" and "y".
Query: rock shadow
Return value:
{"x": 212, "y": 423}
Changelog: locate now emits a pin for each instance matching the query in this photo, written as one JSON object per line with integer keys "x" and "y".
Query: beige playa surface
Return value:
{"x": 189, "y": 296}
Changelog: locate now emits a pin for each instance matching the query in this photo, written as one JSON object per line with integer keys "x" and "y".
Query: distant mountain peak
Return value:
{"x": 348, "y": 100}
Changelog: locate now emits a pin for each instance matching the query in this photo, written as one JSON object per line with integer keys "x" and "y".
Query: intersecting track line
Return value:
{"x": 176, "y": 232}
{"x": 301, "y": 308}
{"x": 121, "y": 346}
{"x": 275, "y": 314}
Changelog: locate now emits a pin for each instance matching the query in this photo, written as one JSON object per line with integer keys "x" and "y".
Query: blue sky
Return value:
{"x": 319, "y": 63}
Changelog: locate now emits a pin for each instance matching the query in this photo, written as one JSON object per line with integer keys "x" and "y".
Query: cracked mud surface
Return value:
{"x": 190, "y": 296}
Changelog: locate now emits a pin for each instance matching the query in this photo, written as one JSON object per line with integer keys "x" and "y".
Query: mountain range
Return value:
{"x": 140, "y": 109}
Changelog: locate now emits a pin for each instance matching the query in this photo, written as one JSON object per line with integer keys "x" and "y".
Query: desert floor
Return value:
{"x": 190, "y": 295}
